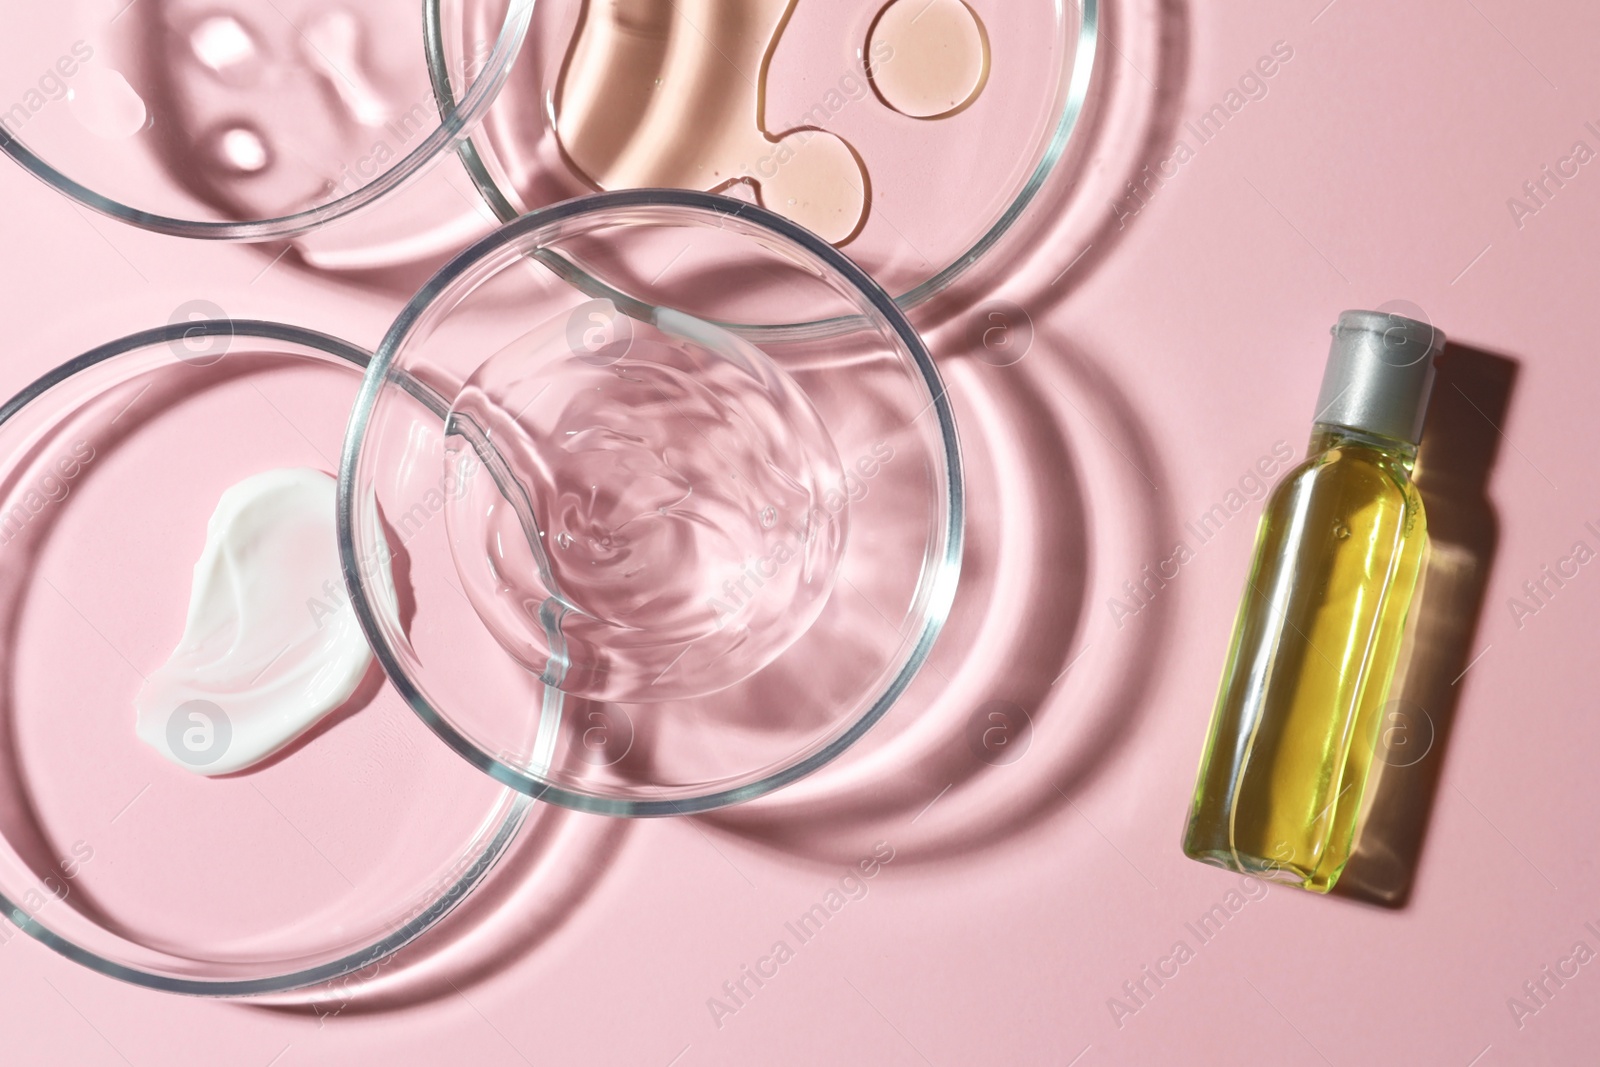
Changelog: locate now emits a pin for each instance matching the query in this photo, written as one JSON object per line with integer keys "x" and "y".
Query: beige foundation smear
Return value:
{"x": 672, "y": 93}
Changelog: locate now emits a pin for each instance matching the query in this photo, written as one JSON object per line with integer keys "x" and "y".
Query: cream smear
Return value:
{"x": 271, "y": 644}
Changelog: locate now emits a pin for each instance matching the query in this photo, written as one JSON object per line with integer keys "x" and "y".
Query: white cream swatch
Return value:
{"x": 271, "y": 644}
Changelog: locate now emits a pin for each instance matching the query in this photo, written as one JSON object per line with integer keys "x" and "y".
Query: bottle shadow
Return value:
{"x": 1460, "y": 446}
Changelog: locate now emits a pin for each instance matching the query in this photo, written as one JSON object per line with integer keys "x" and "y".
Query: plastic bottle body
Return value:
{"x": 1315, "y": 646}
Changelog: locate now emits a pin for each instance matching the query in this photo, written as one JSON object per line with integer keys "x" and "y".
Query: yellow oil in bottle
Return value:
{"x": 1314, "y": 650}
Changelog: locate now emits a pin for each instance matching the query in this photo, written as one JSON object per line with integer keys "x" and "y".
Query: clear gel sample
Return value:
{"x": 271, "y": 644}
{"x": 645, "y": 514}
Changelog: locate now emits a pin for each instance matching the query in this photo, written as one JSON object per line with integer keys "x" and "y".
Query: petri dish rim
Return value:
{"x": 448, "y": 897}
{"x": 456, "y": 122}
{"x": 1085, "y": 51}
{"x": 466, "y": 270}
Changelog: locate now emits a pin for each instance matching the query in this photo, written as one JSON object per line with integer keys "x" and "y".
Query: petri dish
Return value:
{"x": 653, "y": 563}
{"x": 913, "y": 133}
{"x": 241, "y": 120}
{"x": 322, "y": 861}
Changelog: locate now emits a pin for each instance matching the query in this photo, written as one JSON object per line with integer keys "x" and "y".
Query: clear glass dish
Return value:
{"x": 731, "y": 671}
{"x": 241, "y": 120}
{"x": 794, "y": 105}
{"x": 318, "y": 863}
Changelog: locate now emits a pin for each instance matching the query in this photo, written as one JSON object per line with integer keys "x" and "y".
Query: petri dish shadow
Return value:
{"x": 541, "y": 882}
{"x": 1131, "y": 120}
{"x": 1023, "y": 662}
{"x": 1460, "y": 446}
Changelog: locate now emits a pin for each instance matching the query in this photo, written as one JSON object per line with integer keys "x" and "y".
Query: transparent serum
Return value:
{"x": 1320, "y": 627}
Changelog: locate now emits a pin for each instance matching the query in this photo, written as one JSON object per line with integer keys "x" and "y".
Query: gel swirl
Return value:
{"x": 642, "y": 518}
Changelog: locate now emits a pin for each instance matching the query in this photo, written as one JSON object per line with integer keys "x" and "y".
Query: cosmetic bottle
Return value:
{"x": 1322, "y": 622}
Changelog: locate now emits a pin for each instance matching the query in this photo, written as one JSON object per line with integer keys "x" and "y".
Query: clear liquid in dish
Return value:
{"x": 648, "y": 511}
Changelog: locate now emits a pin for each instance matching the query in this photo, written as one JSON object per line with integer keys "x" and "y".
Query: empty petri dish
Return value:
{"x": 319, "y": 862}
{"x": 915, "y": 133}
{"x": 651, "y": 562}
{"x": 240, "y": 119}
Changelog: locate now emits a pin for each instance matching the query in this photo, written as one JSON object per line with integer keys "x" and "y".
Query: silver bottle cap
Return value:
{"x": 1379, "y": 374}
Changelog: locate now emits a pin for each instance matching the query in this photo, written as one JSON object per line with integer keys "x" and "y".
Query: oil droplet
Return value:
{"x": 241, "y": 150}
{"x": 931, "y": 57}
{"x": 223, "y": 45}
{"x": 671, "y": 582}
{"x": 1341, "y": 531}
{"x": 651, "y": 96}
{"x": 106, "y": 105}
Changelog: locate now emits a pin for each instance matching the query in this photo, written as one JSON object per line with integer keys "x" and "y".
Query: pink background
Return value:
{"x": 1163, "y": 363}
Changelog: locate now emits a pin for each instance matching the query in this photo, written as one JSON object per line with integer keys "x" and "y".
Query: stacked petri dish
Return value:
{"x": 672, "y": 570}
{"x": 649, "y": 503}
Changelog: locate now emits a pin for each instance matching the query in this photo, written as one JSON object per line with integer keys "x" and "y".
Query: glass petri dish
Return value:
{"x": 650, "y": 567}
{"x": 318, "y": 863}
{"x": 914, "y": 133}
{"x": 242, "y": 120}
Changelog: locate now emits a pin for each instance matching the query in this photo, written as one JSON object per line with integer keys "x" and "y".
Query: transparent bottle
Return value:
{"x": 1321, "y": 625}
